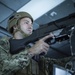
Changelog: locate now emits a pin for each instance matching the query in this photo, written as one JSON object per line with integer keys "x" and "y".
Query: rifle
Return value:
{"x": 17, "y": 45}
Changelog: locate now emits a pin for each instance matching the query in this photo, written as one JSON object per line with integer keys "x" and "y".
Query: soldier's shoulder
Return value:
{"x": 4, "y": 40}
{"x": 4, "y": 43}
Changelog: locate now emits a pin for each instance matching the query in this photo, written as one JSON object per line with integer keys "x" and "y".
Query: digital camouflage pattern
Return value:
{"x": 11, "y": 63}
{"x": 20, "y": 63}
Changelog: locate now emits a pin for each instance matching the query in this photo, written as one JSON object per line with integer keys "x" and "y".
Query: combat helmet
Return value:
{"x": 15, "y": 18}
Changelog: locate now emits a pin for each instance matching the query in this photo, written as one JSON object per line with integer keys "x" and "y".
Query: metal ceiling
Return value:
{"x": 8, "y": 7}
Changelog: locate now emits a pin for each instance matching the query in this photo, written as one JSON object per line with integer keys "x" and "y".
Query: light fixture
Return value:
{"x": 39, "y": 7}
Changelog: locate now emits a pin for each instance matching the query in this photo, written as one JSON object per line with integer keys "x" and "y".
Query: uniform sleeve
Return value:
{"x": 12, "y": 62}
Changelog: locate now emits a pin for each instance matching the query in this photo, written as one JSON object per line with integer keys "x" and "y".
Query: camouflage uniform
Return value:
{"x": 20, "y": 64}
{"x": 9, "y": 64}
{"x": 46, "y": 64}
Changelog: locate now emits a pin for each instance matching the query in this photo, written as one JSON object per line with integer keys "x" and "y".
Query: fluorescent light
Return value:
{"x": 39, "y": 7}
